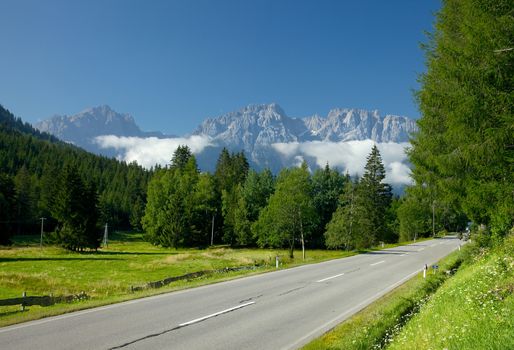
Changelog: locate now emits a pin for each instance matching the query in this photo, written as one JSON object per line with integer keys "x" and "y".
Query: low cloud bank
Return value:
{"x": 150, "y": 151}
{"x": 351, "y": 156}
{"x": 348, "y": 156}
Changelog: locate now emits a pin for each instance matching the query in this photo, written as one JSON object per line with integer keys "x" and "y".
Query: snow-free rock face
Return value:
{"x": 266, "y": 124}
{"x": 252, "y": 126}
{"x": 357, "y": 124}
{"x": 256, "y": 128}
{"x": 82, "y": 128}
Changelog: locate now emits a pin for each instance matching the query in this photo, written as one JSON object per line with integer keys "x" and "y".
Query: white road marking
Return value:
{"x": 215, "y": 314}
{"x": 404, "y": 254}
{"x": 380, "y": 262}
{"x": 329, "y": 278}
{"x": 421, "y": 249}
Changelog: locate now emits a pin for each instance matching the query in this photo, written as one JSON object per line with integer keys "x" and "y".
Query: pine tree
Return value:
{"x": 75, "y": 208}
{"x": 7, "y": 208}
{"x": 374, "y": 199}
{"x": 180, "y": 157}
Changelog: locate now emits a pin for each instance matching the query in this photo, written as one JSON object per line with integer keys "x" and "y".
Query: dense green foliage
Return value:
{"x": 180, "y": 203}
{"x": 242, "y": 207}
{"x": 31, "y": 169}
{"x": 463, "y": 155}
{"x": 364, "y": 216}
{"x": 75, "y": 208}
{"x": 290, "y": 214}
{"x": 327, "y": 186}
{"x": 231, "y": 171}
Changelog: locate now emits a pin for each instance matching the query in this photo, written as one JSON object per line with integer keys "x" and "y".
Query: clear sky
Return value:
{"x": 172, "y": 63}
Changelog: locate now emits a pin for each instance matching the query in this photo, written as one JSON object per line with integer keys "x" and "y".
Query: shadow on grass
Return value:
{"x": 113, "y": 252}
{"x": 9, "y": 313}
{"x": 79, "y": 258}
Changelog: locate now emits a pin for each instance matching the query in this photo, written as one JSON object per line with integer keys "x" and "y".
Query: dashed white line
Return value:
{"x": 380, "y": 262}
{"x": 421, "y": 249}
{"x": 404, "y": 254}
{"x": 215, "y": 314}
{"x": 329, "y": 278}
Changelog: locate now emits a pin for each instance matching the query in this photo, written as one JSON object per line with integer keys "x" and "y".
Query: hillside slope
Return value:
{"x": 30, "y": 165}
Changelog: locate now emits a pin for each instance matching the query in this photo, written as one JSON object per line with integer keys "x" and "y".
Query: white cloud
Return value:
{"x": 150, "y": 151}
{"x": 351, "y": 156}
{"x": 398, "y": 173}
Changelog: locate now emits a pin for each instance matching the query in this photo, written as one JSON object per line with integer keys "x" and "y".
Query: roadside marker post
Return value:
{"x": 425, "y": 268}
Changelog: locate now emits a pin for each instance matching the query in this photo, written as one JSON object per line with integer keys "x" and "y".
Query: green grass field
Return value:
{"x": 107, "y": 275}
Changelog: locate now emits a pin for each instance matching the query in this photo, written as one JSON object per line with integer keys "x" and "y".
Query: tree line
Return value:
{"x": 241, "y": 207}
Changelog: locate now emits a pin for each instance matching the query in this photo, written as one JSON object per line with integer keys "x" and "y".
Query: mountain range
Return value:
{"x": 267, "y": 135}
{"x": 82, "y": 128}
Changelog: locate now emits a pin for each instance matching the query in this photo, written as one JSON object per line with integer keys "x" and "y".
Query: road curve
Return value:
{"x": 277, "y": 310}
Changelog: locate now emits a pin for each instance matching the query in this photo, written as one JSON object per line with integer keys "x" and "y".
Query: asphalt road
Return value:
{"x": 278, "y": 310}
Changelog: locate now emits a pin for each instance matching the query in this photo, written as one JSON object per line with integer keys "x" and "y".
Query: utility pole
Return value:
{"x": 212, "y": 231}
{"x": 433, "y": 218}
{"x": 41, "y": 240}
{"x": 106, "y": 234}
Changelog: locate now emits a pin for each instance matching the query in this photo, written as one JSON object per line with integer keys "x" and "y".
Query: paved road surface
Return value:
{"x": 278, "y": 310}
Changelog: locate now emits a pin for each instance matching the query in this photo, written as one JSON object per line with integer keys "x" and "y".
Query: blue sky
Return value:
{"x": 171, "y": 64}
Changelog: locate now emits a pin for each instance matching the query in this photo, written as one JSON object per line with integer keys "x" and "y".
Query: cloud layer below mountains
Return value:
{"x": 351, "y": 156}
{"x": 348, "y": 156}
{"x": 152, "y": 150}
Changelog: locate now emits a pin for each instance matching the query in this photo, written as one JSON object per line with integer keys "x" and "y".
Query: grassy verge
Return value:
{"x": 374, "y": 326}
{"x": 107, "y": 275}
{"x": 473, "y": 310}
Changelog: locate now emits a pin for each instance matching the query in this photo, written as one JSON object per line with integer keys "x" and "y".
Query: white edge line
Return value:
{"x": 350, "y": 312}
{"x": 329, "y": 278}
{"x": 380, "y": 262}
{"x": 215, "y": 314}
